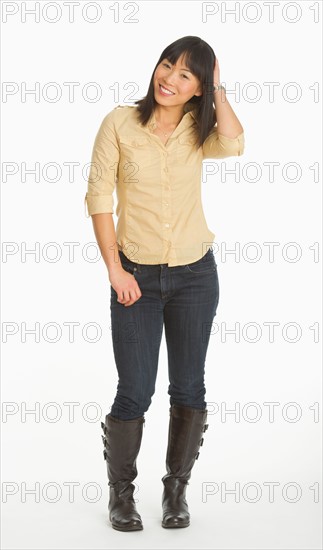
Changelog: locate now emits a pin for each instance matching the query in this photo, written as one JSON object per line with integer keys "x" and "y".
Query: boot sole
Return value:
{"x": 131, "y": 528}
{"x": 177, "y": 526}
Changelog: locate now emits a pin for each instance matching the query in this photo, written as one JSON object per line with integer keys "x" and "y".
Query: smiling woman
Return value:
{"x": 185, "y": 68}
{"x": 179, "y": 85}
{"x": 162, "y": 269}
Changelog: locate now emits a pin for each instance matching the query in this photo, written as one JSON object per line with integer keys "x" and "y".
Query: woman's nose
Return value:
{"x": 169, "y": 79}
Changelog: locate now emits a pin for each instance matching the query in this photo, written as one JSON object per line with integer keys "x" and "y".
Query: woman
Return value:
{"x": 161, "y": 266}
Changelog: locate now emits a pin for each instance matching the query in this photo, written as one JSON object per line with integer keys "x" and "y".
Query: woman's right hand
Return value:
{"x": 126, "y": 287}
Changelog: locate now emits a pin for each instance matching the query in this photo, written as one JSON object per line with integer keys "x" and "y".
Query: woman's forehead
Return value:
{"x": 180, "y": 61}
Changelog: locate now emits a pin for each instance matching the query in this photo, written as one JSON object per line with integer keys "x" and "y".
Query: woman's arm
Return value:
{"x": 228, "y": 124}
{"x": 105, "y": 234}
{"x": 123, "y": 282}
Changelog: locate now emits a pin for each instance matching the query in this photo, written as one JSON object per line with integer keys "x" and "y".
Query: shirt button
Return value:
{"x": 166, "y": 224}
{"x": 166, "y": 203}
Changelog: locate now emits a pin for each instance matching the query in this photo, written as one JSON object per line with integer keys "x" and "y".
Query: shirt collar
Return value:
{"x": 186, "y": 120}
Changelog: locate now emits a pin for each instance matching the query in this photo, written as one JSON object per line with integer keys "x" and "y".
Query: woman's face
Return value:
{"x": 177, "y": 79}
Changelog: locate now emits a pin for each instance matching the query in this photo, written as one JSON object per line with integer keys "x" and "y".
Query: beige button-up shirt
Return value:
{"x": 158, "y": 187}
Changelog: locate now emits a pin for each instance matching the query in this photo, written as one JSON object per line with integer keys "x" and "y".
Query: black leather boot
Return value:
{"x": 185, "y": 436}
{"x": 122, "y": 440}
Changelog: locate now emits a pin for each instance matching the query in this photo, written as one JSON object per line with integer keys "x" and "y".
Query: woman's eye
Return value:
{"x": 168, "y": 66}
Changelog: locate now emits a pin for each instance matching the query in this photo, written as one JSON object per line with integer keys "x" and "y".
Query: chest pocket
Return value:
{"x": 135, "y": 156}
{"x": 133, "y": 141}
{"x": 186, "y": 151}
{"x": 186, "y": 140}
{"x": 136, "y": 149}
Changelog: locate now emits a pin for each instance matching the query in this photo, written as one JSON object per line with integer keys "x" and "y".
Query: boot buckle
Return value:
{"x": 104, "y": 428}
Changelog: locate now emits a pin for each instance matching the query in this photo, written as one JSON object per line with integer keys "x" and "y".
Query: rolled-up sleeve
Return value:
{"x": 218, "y": 146}
{"x": 103, "y": 169}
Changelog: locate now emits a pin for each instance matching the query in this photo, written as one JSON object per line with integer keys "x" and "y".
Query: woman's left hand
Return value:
{"x": 216, "y": 73}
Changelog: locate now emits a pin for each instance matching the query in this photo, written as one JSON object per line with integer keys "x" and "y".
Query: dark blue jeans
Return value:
{"x": 183, "y": 298}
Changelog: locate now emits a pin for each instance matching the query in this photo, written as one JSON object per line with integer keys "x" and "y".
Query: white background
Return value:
{"x": 254, "y": 289}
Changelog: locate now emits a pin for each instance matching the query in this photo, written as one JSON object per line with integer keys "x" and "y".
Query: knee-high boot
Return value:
{"x": 122, "y": 440}
{"x": 185, "y": 436}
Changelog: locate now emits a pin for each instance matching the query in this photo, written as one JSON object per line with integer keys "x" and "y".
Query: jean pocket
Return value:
{"x": 206, "y": 264}
{"x": 130, "y": 267}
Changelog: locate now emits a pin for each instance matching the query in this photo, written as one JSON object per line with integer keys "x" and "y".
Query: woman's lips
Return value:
{"x": 164, "y": 93}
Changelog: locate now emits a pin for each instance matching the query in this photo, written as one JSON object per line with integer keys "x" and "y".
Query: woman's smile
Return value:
{"x": 165, "y": 91}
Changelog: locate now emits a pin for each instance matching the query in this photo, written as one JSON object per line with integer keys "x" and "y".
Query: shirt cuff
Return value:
{"x": 98, "y": 204}
{"x": 232, "y": 146}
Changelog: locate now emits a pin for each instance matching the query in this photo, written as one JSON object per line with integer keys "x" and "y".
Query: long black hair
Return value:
{"x": 200, "y": 59}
